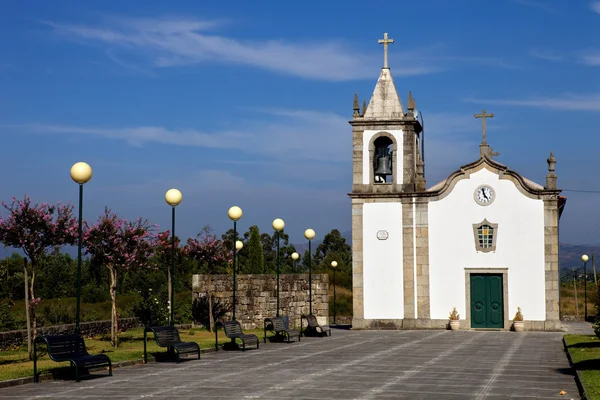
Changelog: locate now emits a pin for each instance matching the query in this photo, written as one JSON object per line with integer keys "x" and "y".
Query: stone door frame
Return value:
{"x": 497, "y": 271}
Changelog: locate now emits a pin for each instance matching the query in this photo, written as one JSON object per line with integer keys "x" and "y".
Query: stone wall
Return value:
{"x": 12, "y": 339}
{"x": 257, "y": 296}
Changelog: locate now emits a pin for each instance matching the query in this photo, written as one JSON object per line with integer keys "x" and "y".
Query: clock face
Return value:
{"x": 484, "y": 195}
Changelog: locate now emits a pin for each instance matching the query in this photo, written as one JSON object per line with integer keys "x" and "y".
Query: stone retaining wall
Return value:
{"x": 257, "y": 296}
{"x": 12, "y": 339}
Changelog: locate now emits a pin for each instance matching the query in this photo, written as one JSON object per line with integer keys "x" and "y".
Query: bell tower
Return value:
{"x": 386, "y": 139}
{"x": 387, "y": 177}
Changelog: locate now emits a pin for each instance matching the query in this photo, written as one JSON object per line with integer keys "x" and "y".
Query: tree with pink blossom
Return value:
{"x": 120, "y": 245}
{"x": 212, "y": 254}
{"x": 33, "y": 229}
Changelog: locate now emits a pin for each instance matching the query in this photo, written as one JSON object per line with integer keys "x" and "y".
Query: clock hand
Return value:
{"x": 484, "y": 194}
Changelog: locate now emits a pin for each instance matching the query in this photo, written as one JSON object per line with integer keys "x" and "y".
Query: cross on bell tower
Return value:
{"x": 385, "y": 41}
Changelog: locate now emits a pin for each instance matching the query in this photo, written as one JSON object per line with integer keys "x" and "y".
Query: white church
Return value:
{"x": 484, "y": 240}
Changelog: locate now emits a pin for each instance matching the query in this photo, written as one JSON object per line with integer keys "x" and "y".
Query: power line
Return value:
{"x": 580, "y": 191}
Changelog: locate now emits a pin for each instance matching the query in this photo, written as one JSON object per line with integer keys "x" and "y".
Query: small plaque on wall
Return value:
{"x": 382, "y": 235}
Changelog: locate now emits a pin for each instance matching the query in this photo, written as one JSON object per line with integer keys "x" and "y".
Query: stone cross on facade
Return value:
{"x": 385, "y": 41}
{"x": 483, "y": 116}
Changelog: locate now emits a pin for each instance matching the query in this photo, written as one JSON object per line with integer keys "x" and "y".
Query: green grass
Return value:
{"x": 585, "y": 354}
{"x": 14, "y": 364}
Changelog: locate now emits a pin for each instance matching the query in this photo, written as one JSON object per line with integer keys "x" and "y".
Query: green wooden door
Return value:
{"x": 487, "y": 309}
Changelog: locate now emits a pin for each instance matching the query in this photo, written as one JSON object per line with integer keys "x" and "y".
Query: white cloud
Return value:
{"x": 545, "y": 54}
{"x": 568, "y": 101}
{"x": 176, "y": 41}
{"x": 170, "y": 42}
{"x": 591, "y": 58}
{"x": 595, "y": 6}
{"x": 535, "y": 4}
{"x": 284, "y": 135}
{"x": 287, "y": 134}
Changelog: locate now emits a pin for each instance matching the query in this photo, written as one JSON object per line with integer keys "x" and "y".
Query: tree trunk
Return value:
{"x": 29, "y": 337}
{"x": 211, "y": 318}
{"x": 33, "y": 303}
{"x": 114, "y": 329}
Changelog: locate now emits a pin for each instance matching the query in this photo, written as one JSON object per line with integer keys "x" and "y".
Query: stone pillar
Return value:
{"x": 408, "y": 258}
{"x": 422, "y": 255}
{"x": 552, "y": 284}
{"x": 357, "y": 262}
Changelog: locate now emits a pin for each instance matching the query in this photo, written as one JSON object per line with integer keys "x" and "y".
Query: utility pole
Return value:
{"x": 594, "y": 268}
{"x": 575, "y": 288}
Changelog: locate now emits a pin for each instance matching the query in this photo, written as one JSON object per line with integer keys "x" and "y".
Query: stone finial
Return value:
{"x": 356, "y": 107}
{"x": 551, "y": 177}
{"x": 411, "y": 103}
{"x": 420, "y": 181}
{"x": 364, "y": 108}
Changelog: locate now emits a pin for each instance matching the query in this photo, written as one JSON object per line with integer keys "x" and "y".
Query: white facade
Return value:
{"x": 367, "y": 166}
{"x": 433, "y": 258}
{"x": 519, "y": 245}
{"x": 382, "y": 261}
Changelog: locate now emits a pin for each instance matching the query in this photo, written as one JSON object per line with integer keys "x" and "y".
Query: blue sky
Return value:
{"x": 247, "y": 103}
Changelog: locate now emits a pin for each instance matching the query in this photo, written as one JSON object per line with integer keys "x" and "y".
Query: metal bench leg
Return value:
{"x": 35, "y": 376}
{"x": 216, "y": 339}
{"x": 145, "y": 354}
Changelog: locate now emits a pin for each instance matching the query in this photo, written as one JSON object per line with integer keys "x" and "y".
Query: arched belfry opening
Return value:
{"x": 383, "y": 160}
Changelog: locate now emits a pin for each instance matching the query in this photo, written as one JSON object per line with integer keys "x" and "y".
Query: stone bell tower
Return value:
{"x": 387, "y": 174}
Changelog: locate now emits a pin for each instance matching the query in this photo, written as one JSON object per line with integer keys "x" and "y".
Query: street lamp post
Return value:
{"x": 278, "y": 225}
{"x": 295, "y": 257}
{"x": 585, "y": 258}
{"x": 310, "y": 235}
{"x": 239, "y": 245}
{"x": 234, "y": 213}
{"x": 173, "y": 197}
{"x": 80, "y": 173}
{"x": 334, "y": 266}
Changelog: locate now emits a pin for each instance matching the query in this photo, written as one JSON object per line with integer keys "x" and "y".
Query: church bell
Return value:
{"x": 383, "y": 165}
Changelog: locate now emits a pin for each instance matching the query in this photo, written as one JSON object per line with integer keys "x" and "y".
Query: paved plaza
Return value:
{"x": 348, "y": 365}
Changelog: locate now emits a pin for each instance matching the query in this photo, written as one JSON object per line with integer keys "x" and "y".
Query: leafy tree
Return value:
{"x": 334, "y": 242}
{"x": 269, "y": 243}
{"x": 211, "y": 252}
{"x": 58, "y": 275}
{"x": 120, "y": 245}
{"x": 33, "y": 229}
{"x": 11, "y": 275}
{"x": 256, "y": 258}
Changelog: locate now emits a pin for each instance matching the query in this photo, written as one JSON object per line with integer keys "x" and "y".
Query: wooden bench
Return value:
{"x": 313, "y": 328}
{"x": 70, "y": 348}
{"x": 168, "y": 336}
{"x": 277, "y": 325}
{"x": 233, "y": 330}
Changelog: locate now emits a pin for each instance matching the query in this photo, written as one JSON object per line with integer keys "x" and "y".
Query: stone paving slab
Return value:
{"x": 349, "y": 365}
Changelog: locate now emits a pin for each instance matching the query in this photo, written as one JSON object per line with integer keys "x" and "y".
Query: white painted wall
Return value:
{"x": 519, "y": 246}
{"x": 367, "y": 166}
{"x": 383, "y": 294}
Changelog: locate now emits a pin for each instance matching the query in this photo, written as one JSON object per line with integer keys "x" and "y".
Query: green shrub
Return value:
{"x": 7, "y": 319}
{"x": 57, "y": 314}
{"x": 151, "y": 308}
{"x": 92, "y": 293}
{"x": 200, "y": 310}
